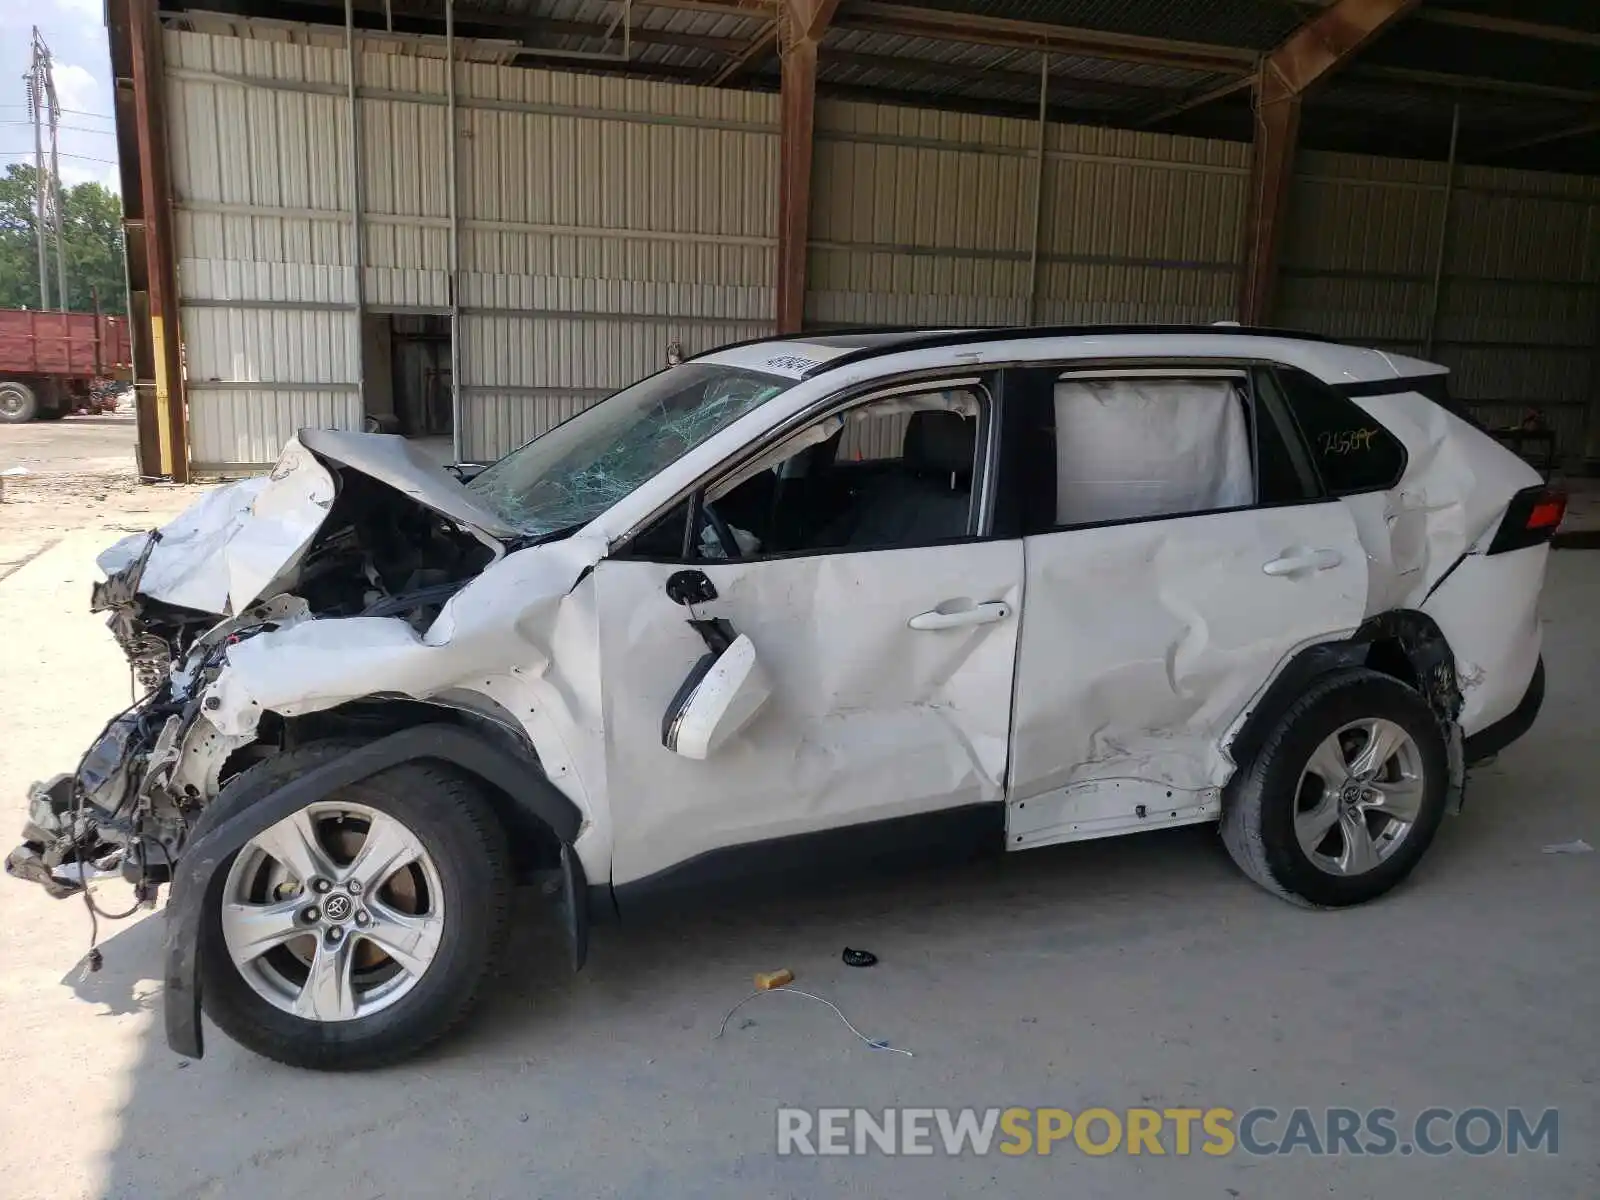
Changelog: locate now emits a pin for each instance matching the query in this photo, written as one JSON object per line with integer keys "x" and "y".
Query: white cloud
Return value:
{"x": 76, "y": 87}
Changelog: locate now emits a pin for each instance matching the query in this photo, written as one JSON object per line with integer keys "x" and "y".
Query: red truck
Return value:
{"x": 51, "y": 361}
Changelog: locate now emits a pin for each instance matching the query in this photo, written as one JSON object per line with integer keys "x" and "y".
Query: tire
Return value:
{"x": 18, "y": 404}
{"x": 1277, "y": 801}
{"x": 465, "y": 848}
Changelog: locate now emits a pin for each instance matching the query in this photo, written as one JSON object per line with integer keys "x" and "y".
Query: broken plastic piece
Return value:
{"x": 767, "y": 980}
{"x": 859, "y": 958}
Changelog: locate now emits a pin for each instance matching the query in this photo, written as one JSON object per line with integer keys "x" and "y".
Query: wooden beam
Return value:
{"x": 1450, "y": 83}
{"x": 1307, "y": 57}
{"x": 1198, "y": 100}
{"x": 158, "y": 246}
{"x": 1509, "y": 26}
{"x": 875, "y": 16}
{"x": 1330, "y": 39}
{"x": 1277, "y": 129}
{"x": 756, "y": 51}
{"x": 1590, "y": 124}
{"x": 801, "y": 26}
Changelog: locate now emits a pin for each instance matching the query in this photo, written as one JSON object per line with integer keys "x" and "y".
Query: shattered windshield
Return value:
{"x": 582, "y": 467}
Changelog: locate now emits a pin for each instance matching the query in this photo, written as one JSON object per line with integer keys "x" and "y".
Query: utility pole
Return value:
{"x": 35, "y": 112}
{"x": 42, "y": 95}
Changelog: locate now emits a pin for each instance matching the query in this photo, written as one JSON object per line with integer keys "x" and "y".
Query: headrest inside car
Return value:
{"x": 940, "y": 441}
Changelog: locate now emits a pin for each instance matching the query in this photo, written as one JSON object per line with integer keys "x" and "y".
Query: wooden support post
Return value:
{"x": 1323, "y": 44}
{"x": 1271, "y": 167}
{"x": 158, "y": 249}
{"x": 801, "y": 27}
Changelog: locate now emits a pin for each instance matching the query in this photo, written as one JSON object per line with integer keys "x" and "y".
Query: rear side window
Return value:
{"x": 1134, "y": 447}
{"x": 1351, "y": 451}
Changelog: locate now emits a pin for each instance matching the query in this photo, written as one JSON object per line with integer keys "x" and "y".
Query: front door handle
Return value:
{"x": 1300, "y": 562}
{"x": 978, "y": 614}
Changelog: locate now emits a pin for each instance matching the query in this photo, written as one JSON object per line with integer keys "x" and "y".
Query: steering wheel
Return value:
{"x": 713, "y": 521}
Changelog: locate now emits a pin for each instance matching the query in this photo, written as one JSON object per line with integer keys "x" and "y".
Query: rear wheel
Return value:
{"x": 1344, "y": 796}
{"x": 361, "y": 928}
{"x": 18, "y": 404}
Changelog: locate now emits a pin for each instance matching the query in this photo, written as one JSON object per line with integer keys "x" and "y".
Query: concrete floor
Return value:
{"x": 1135, "y": 972}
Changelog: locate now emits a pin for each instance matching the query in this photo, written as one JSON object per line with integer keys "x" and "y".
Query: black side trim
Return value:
{"x": 575, "y": 905}
{"x": 805, "y": 859}
{"x": 1495, "y": 738}
{"x": 198, "y": 874}
{"x": 1392, "y": 387}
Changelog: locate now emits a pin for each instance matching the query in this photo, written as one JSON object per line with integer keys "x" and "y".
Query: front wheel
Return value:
{"x": 361, "y": 928}
{"x": 1344, "y": 796}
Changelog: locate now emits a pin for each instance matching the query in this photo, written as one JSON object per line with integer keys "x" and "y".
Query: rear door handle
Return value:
{"x": 1300, "y": 562}
{"x": 978, "y": 614}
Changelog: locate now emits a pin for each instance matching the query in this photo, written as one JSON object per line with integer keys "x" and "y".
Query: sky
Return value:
{"x": 75, "y": 32}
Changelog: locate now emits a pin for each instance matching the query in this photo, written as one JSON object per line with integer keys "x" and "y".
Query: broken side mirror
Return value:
{"x": 722, "y": 693}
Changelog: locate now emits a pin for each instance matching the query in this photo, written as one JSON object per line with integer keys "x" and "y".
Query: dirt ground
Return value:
{"x": 1125, "y": 973}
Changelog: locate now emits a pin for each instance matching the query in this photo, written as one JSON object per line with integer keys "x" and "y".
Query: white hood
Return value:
{"x": 231, "y": 546}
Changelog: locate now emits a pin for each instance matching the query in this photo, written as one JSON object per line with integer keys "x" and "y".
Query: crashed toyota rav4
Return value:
{"x": 792, "y": 606}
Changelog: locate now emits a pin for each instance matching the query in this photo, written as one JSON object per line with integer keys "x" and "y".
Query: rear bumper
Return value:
{"x": 1492, "y": 739}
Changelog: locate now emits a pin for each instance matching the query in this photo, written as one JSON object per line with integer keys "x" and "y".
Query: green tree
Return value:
{"x": 91, "y": 229}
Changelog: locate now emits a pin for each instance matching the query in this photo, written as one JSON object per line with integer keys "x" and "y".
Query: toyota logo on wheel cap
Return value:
{"x": 336, "y": 906}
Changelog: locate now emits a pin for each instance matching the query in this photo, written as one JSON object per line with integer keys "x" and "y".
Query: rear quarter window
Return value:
{"x": 1351, "y": 451}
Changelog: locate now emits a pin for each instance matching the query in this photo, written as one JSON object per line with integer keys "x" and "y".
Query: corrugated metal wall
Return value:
{"x": 1518, "y": 315}
{"x": 926, "y": 218}
{"x": 265, "y": 269}
{"x": 602, "y": 219}
{"x": 599, "y": 221}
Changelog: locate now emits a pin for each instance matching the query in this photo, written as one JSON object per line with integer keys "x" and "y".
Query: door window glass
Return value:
{"x": 1136, "y": 447}
{"x": 898, "y": 471}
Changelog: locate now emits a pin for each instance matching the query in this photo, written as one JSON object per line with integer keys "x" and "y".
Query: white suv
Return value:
{"x": 799, "y": 605}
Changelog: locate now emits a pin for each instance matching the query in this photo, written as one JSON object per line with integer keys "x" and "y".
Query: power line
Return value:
{"x": 110, "y": 162}
{"x": 70, "y": 128}
{"x": 77, "y": 112}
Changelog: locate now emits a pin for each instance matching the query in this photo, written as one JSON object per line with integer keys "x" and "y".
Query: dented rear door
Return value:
{"x": 1188, "y": 554}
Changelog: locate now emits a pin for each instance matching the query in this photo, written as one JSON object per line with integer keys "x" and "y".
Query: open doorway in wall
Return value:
{"x": 406, "y": 365}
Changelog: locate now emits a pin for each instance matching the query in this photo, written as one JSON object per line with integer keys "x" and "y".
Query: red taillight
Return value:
{"x": 1531, "y": 518}
{"x": 1547, "y": 514}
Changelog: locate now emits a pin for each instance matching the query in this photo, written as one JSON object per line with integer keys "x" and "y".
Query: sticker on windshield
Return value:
{"x": 791, "y": 364}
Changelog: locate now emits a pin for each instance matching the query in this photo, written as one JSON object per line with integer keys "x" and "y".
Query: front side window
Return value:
{"x": 890, "y": 472}
{"x": 576, "y": 471}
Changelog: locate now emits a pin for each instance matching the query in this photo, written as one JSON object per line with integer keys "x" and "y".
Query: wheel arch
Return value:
{"x": 536, "y": 816}
{"x": 1403, "y": 644}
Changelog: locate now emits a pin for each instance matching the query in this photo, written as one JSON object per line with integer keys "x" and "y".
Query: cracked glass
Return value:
{"x": 573, "y": 473}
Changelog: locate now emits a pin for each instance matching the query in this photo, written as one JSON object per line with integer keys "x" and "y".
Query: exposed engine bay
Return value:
{"x": 128, "y": 806}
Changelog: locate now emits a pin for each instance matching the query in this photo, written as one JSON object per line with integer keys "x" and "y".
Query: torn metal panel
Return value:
{"x": 868, "y": 719}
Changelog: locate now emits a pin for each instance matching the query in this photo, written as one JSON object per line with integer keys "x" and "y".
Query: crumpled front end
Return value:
{"x": 317, "y": 539}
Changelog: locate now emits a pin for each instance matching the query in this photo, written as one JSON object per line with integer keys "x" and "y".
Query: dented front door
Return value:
{"x": 891, "y": 681}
